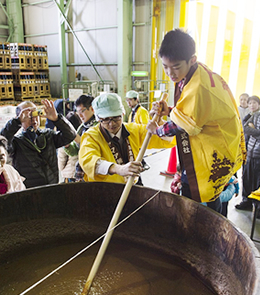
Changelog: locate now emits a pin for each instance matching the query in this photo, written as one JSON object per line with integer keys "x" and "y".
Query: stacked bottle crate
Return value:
{"x": 6, "y": 77}
{"x": 24, "y": 85}
{"x": 42, "y": 84}
{"x": 6, "y": 86}
{"x": 27, "y": 60}
{"x": 5, "y": 57}
{"x": 21, "y": 56}
{"x": 42, "y": 74}
{"x": 41, "y": 55}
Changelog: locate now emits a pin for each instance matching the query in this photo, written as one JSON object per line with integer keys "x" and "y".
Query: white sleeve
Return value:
{"x": 102, "y": 167}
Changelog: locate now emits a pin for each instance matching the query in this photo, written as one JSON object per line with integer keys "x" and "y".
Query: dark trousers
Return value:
{"x": 224, "y": 210}
{"x": 250, "y": 177}
{"x": 215, "y": 205}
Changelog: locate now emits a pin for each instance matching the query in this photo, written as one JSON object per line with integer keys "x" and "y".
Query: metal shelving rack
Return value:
{"x": 71, "y": 91}
{"x": 145, "y": 93}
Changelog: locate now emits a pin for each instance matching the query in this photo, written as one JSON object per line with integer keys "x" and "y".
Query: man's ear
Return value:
{"x": 193, "y": 60}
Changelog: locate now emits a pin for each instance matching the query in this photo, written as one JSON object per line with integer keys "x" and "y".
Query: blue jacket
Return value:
{"x": 228, "y": 192}
{"x": 59, "y": 106}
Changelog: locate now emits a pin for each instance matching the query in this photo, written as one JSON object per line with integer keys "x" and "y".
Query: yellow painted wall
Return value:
{"x": 229, "y": 35}
{"x": 228, "y": 50}
{"x": 244, "y": 57}
{"x": 214, "y": 14}
{"x": 256, "y": 88}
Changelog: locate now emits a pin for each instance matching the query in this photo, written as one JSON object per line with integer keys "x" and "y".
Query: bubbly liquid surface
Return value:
{"x": 126, "y": 269}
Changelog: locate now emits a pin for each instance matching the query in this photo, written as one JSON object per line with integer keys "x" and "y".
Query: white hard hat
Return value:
{"x": 108, "y": 105}
{"x": 132, "y": 94}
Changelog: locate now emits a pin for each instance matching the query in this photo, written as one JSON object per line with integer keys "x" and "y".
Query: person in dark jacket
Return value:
{"x": 62, "y": 107}
{"x": 32, "y": 149}
{"x": 251, "y": 170}
{"x": 253, "y": 107}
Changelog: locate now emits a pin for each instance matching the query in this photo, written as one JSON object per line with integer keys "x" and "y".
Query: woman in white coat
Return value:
{"x": 10, "y": 179}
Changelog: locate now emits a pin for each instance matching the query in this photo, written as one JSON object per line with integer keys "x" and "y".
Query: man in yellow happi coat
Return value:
{"x": 204, "y": 119}
{"x": 139, "y": 114}
{"x": 109, "y": 149}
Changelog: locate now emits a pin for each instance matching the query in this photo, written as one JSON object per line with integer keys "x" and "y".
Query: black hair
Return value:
{"x": 177, "y": 45}
{"x": 3, "y": 142}
{"x": 85, "y": 100}
{"x": 255, "y": 98}
{"x": 74, "y": 119}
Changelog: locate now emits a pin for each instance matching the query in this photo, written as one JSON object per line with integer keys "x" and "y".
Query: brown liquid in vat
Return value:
{"x": 71, "y": 215}
{"x": 126, "y": 269}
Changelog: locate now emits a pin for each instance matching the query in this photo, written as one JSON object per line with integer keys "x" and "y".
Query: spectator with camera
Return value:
{"x": 33, "y": 150}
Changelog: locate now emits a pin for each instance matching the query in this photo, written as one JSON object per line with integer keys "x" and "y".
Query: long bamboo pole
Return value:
{"x": 117, "y": 212}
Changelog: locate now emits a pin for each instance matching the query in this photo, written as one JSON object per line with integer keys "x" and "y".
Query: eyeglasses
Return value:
{"x": 106, "y": 121}
{"x": 82, "y": 111}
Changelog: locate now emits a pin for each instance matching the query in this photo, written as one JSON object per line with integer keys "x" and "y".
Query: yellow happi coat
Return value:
{"x": 141, "y": 116}
{"x": 94, "y": 146}
{"x": 215, "y": 145}
{"x": 255, "y": 195}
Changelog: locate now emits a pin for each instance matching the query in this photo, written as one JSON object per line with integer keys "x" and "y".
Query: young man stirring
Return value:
{"x": 204, "y": 119}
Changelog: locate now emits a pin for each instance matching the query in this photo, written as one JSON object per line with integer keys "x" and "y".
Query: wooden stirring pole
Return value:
{"x": 117, "y": 212}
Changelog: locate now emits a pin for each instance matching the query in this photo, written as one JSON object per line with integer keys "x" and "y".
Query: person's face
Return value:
{"x": 29, "y": 120}
{"x": 3, "y": 156}
{"x": 131, "y": 102}
{"x": 35, "y": 122}
{"x": 84, "y": 113}
{"x": 112, "y": 124}
{"x": 177, "y": 70}
{"x": 243, "y": 101}
{"x": 253, "y": 106}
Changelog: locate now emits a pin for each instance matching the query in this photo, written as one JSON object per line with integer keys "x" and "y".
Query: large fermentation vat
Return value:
{"x": 204, "y": 242}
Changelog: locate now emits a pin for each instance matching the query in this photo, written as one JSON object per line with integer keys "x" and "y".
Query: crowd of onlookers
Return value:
{"x": 37, "y": 153}
{"x": 90, "y": 142}
{"x": 249, "y": 113}
{"x": 33, "y": 150}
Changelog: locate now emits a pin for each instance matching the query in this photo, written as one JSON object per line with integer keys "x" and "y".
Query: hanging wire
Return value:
{"x": 153, "y": 153}
{"x": 87, "y": 247}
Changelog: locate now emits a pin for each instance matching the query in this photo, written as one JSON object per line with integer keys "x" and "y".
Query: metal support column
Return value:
{"x": 125, "y": 38}
{"x": 63, "y": 62}
{"x": 156, "y": 11}
{"x": 63, "y": 19}
{"x": 15, "y": 21}
{"x": 165, "y": 17}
